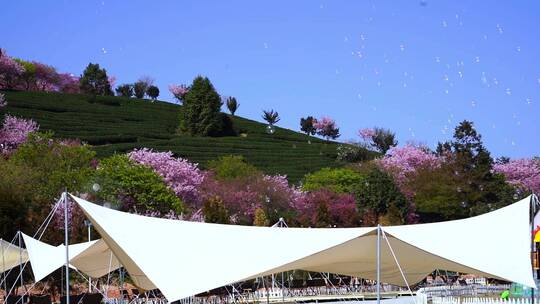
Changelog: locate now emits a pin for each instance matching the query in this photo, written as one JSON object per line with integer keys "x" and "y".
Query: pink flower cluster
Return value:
{"x": 15, "y": 131}
{"x": 323, "y": 123}
{"x": 403, "y": 162}
{"x": 366, "y": 133}
{"x": 179, "y": 91}
{"x": 10, "y": 70}
{"x": 523, "y": 173}
{"x": 341, "y": 208}
{"x": 181, "y": 176}
{"x": 280, "y": 184}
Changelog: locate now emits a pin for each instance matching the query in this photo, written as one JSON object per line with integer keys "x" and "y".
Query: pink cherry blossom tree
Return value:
{"x": 523, "y": 173}
{"x": 181, "y": 176}
{"x": 14, "y": 132}
{"x": 10, "y": 71}
{"x": 403, "y": 162}
{"x": 179, "y": 91}
{"x": 326, "y": 127}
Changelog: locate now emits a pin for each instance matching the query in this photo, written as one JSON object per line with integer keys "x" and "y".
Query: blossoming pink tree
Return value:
{"x": 523, "y": 173}
{"x": 327, "y": 128}
{"x": 403, "y": 162}
{"x": 10, "y": 71}
{"x": 14, "y": 132}
{"x": 179, "y": 91}
{"x": 181, "y": 176}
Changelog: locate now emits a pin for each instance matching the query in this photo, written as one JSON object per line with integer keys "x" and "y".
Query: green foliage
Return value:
{"x": 339, "y": 180}
{"x": 139, "y": 89}
{"x": 35, "y": 174}
{"x": 232, "y": 105}
{"x": 152, "y": 92}
{"x": 378, "y": 192}
{"x": 200, "y": 113}
{"x": 29, "y": 74}
{"x": 121, "y": 178}
{"x": 94, "y": 81}
{"x": 480, "y": 190}
{"x": 384, "y": 139}
{"x": 306, "y": 125}
{"x": 125, "y": 90}
{"x": 353, "y": 153}
{"x": 230, "y": 167}
{"x": 214, "y": 211}
{"x": 260, "y": 218}
{"x": 120, "y": 127}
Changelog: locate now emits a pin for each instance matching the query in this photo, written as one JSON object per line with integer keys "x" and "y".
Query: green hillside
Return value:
{"x": 117, "y": 124}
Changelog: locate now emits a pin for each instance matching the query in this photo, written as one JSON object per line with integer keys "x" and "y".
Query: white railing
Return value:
{"x": 477, "y": 300}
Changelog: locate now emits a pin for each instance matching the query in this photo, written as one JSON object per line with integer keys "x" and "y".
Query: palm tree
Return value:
{"x": 271, "y": 117}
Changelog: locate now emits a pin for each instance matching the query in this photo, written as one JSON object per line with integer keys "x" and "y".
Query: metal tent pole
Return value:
{"x": 378, "y": 264}
{"x": 4, "y": 266}
{"x": 20, "y": 260}
{"x": 66, "y": 242}
{"x": 532, "y": 207}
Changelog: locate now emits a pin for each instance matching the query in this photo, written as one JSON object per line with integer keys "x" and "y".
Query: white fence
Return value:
{"x": 476, "y": 300}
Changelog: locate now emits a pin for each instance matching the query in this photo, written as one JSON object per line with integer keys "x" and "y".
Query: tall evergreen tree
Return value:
{"x": 94, "y": 81}
{"x": 200, "y": 113}
{"x": 306, "y": 125}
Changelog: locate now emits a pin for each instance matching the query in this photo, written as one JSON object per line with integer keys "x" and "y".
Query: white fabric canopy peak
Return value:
{"x": 188, "y": 258}
{"x": 11, "y": 256}
{"x": 91, "y": 258}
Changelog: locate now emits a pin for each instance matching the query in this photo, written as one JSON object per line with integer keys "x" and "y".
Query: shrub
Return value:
{"x": 180, "y": 175}
{"x": 353, "y": 153}
{"x": 272, "y": 117}
{"x": 214, "y": 211}
{"x": 134, "y": 187}
{"x": 340, "y": 180}
{"x": 325, "y": 208}
{"x": 94, "y": 81}
{"x": 378, "y": 192}
{"x": 232, "y": 166}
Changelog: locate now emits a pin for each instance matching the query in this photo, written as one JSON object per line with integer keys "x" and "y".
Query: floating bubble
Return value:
{"x": 528, "y": 101}
{"x": 473, "y": 103}
{"x": 437, "y": 59}
{"x": 444, "y": 24}
{"x": 516, "y": 196}
{"x": 445, "y": 77}
{"x": 362, "y": 37}
{"x": 499, "y": 29}
{"x": 270, "y": 129}
{"x": 458, "y": 189}
{"x": 402, "y": 47}
{"x": 346, "y": 39}
{"x": 460, "y": 74}
{"x": 518, "y": 48}
{"x": 485, "y": 37}
{"x": 508, "y": 91}
{"x": 477, "y": 59}
{"x": 103, "y": 50}
{"x": 359, "y": 96}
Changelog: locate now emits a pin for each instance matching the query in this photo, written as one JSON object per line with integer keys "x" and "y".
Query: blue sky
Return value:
{"x": 417, "y": 68}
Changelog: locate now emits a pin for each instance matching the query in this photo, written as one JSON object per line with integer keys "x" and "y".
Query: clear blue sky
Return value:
{"x": 415, "y": 67}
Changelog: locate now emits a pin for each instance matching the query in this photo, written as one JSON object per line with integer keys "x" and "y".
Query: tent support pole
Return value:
{"x": 4, "y": 269}
{"x": 66, "y": 242}
{"x": 532, "y": 207}
{"x": 378, "y": 264}
{"x": 20, "y": 261}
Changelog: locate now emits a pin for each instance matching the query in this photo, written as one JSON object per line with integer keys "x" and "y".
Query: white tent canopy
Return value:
{"x": 188, "y": 258}
{"x": 94, "y": 258}
{"x": 11, "y": 256}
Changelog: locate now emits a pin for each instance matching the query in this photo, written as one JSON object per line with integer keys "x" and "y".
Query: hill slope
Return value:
{"x": 117, "y": 124}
